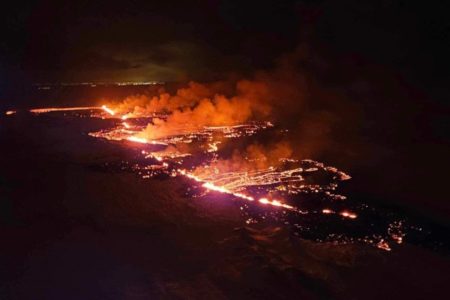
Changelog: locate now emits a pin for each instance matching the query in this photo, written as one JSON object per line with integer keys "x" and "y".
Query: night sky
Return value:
{"x": 206, "y": 40}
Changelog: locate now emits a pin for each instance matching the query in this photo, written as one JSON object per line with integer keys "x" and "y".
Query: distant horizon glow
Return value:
{"x": 99, "y": 83}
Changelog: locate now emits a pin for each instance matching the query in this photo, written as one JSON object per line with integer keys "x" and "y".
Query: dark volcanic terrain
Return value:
{"x": 73, "y": 230}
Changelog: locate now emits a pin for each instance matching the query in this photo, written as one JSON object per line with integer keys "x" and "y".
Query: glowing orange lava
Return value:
{"x": 52, "y": 109}
{"x": 271, "y": 185}
{"x": 137, "y": 140}
{"x": 347, "y": 214}
{"x": 382, "y": 244}
{"x": 108, "y": 110}
{"x": 212, "y": 187}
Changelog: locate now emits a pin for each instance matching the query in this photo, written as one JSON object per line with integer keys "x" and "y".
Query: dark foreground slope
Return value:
{"x": 71, "y": 230}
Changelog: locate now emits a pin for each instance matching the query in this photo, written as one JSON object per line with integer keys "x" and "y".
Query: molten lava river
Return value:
{"x": 302, "y": 195}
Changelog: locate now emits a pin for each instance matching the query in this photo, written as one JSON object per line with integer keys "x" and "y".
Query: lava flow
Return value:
{"x": 56, "y": 109}
{"x": 300, "y": 194}
{"x": 212, "y": 187}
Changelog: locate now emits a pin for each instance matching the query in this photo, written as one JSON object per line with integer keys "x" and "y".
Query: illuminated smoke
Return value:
{"x": 255, "y": 157}
{"x": 287, "y": 96}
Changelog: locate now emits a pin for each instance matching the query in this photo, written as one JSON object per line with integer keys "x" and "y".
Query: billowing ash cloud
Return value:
{"x": 322, "y": 103}
{"x": 253, "y": 157}
{"x": 200, "y": 105}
